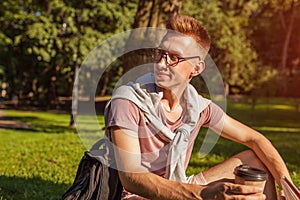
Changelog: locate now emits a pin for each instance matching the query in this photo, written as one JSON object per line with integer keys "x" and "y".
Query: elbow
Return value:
{"x": 135, "y": 183}
{"x": 258, "y": 140}
{"x": 125, "y": 180}
{"x": 129, "y": 181}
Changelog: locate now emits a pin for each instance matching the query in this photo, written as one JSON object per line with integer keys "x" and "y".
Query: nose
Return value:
{"x": 162, "y": 64}
{"x": 164, "y": 60}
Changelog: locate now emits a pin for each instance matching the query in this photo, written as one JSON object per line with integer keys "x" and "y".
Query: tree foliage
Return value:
{"x": 40, "y": 40}
{"x": 275, "y": 38}
{"x": 228, "y": 23}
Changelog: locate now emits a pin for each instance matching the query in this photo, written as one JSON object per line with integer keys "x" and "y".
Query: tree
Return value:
{"x": 155, "y": 13}
{"x": 150, "y": 13}
{"x": 275, "y": 39}
{"x": 85, "y": 21}
{"x": 39, "y": 42}
{"x": 228, "y": 23}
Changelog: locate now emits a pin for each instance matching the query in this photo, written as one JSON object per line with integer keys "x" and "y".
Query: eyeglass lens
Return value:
{"x": 170, "y": 58}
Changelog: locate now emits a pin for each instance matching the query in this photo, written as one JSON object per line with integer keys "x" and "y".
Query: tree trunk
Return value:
{"x": 105, "y": 83}
{"x": 288, "y": 27}
{"x": 150, "y": 13}
{"x": 155, "y": 13}
{"x": 75, "y": 95}
{"x": 288, "y": 30}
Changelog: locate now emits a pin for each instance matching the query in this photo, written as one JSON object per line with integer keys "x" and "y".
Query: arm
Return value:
{"x": 138, "y": 180}
{"x": 262, "y": 147}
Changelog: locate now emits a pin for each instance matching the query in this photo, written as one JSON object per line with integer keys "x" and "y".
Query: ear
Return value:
{"x": 198, "y": 68}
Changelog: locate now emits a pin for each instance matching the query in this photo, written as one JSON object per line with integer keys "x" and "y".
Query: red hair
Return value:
{"x": 190, "y": 27}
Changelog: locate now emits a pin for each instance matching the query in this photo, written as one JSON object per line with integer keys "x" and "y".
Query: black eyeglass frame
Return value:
{"x": 165, "y": 53}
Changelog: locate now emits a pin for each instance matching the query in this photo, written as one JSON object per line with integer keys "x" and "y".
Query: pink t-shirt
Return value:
{"x": 154, "y": 150}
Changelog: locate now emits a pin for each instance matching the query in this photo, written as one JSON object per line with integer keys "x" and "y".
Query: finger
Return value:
{"x": 243, "y": 189}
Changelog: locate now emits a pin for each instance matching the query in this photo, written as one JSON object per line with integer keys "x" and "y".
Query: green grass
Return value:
{"x": 41, "y": 162}
{"x": 38, "y": 163}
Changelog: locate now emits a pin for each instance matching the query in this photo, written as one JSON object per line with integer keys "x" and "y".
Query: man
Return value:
{"x": 148, "y": 165}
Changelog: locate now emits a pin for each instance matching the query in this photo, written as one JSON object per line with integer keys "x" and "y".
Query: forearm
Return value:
{"x": 271, "y": 158}
{"x": 262, "y": 147}
{"x": 138, "y": 180}
{"x": 151, "y": 186}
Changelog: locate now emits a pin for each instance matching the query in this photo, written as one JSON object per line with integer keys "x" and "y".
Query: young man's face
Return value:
{"x": 168, "y": 75}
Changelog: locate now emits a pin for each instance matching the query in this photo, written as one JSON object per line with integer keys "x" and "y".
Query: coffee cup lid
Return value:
{"x": 250, "y": 173}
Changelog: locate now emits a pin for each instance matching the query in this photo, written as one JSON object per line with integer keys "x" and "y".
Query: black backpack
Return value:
{"x": 95, "y": 180}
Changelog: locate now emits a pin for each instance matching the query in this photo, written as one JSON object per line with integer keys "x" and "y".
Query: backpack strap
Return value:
{"x": 103, "y": 151}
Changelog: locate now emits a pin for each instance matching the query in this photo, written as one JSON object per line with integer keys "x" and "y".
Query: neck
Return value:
{"x": 171, "y": 100}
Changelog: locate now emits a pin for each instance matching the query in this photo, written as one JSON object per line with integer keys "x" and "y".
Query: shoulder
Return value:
{"x": 123, "y": 113}
{"x": 212, "y": 114}
{"x": 120, "y": 105}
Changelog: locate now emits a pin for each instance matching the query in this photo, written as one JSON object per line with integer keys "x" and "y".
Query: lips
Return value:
{"x": 162, "y": 74}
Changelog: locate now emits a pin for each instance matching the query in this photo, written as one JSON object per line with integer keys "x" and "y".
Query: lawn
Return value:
{"x": 41, "y": 162}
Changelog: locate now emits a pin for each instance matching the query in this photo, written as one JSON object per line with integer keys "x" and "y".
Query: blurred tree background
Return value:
{"x": 255, "y": 43}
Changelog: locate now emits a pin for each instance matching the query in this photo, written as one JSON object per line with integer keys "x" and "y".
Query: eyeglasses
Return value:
{"x": 171, "y": 59}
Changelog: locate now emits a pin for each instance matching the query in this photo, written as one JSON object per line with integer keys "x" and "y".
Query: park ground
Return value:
{"x": 39, "y": 152}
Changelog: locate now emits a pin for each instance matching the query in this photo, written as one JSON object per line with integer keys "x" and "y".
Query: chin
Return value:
{"x": 161, "y": 84}
{"x": 164, "y": 84}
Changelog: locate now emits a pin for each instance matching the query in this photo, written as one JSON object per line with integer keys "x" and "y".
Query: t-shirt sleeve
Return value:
{"x": 212, "y": 115}
{"x": 124, "y": 114}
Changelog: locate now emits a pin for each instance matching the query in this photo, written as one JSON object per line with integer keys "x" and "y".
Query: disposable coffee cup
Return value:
{"x": 247, "y": 175}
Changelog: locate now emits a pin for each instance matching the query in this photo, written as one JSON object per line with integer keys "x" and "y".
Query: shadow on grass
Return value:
{"x": 40, "y": 125}
{"x": 34, "y": 124}
{"x": 16, "y": 188}
{"x": 12, "y": 124}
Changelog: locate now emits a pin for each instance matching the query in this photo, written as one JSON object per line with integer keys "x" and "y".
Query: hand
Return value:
{"x": 226, "y": 190}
